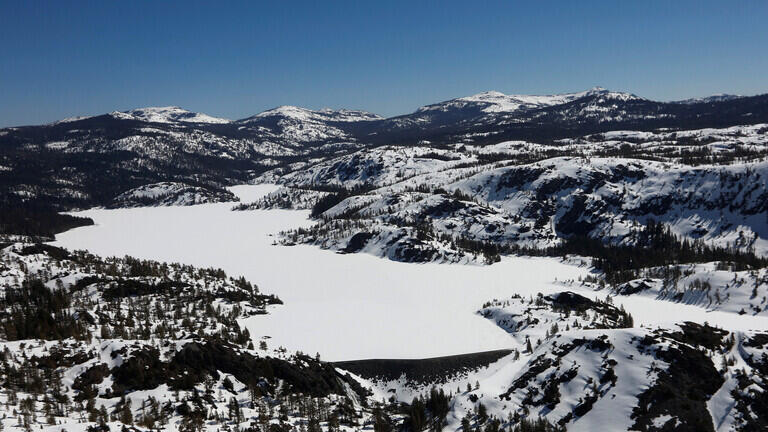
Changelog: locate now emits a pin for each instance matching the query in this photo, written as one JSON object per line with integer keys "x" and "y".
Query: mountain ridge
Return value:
{"x": 166, "y": 114}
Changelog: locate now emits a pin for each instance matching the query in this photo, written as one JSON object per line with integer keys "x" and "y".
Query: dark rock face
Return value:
{"x": 681, "y": 391}
{"x": 413, "y": 250}
{"x": 570, "y": 300}
{"x": 358, "y": 241}
{"x": 86, "y": 381}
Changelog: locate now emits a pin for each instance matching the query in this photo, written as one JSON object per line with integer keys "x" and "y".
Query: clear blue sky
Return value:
{"x": 234, "y": 59}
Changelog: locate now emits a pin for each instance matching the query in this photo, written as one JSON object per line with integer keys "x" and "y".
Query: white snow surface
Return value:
{"x": 352, "y": 306}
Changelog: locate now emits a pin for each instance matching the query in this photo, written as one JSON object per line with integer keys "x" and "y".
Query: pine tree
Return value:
{"x": 482, "y": 413}
{"x": 234, "y": 410}
{"x": 126, "y": 415}
{"x": 465, "y": 424}
{"x": 380, "y": 422}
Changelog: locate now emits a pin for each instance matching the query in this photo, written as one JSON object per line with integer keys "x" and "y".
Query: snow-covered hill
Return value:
{"x": 450, "y": 197}
{"x": 497, "y": 102}
{"x": 170, "y": 194}
{"x": 715, "y": 286}
{"x": 121, "y": 343}
{"x": 693, "y": 377}
{"x": 578, "y": 367}
{"x": 303, "y": 114}
{"x": 170, "y": 114}
{"x": 714, "y": 98}
{"x": 295, "y": 125}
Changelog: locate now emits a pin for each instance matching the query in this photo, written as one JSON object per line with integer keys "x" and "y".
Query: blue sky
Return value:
{"x": 234, "y": 59}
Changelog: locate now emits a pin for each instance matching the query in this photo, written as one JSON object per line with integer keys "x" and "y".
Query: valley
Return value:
{"x": 385, "y": 309}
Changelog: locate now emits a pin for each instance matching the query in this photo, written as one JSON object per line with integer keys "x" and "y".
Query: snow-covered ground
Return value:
{"x": 355, "y": 305}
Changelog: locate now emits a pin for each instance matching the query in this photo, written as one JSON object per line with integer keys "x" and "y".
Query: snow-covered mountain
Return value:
{"x": 303, "y": 114}
{"x": 456, "y": 195}
{"x": 295, "y": 126}
{"x": 709, "y": 99}
{"x": 170, "y": 114}
{"x": 497, "y": 102}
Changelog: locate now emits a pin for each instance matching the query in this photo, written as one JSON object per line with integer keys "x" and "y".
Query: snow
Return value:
{"x": 719, "y": 97}
{"x": 356, "y": 305}
{"x": 304, "y": 114}
{"x": 168, "y": 194}
{"x": 293, "y": 125}
{"x": 170, "y": 114}
{"x": 71, "y": 119}
{"x": 57, "y": 145}
{"x": 498, "y": 102}
{"x": 704, "y": 285}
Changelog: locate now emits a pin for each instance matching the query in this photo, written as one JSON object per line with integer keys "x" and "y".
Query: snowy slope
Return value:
{"x": 535, "y": 204}
{"x": 303, "y": 114}
{"x": 608, "y": 198}
{"x": 300, "y": 125}
{"x": 497, "y": 102}
{"x": 170, "y": 194}
{"x": 582, "y": 372}
{"x": 169, "y": 114}
{"x": 146, "y": 343}
{"x": 714, "y": 286}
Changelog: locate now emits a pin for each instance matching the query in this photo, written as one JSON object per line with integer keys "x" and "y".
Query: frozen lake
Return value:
{"x": 347, "y": 306}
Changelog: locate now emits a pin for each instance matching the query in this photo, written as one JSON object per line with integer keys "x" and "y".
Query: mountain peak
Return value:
{"x": 608, "y": 94}
{"x": 166, "y": 114}
{"x": 490, "y": 94}
{"x": 498, "y": 102}
{"x": 305, "y": 114}
{"x": 718, "y": 97}
{"x": 286, "y": 111}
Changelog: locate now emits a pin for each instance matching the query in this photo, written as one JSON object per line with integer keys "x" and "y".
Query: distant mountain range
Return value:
{"x": 493, "y": 102}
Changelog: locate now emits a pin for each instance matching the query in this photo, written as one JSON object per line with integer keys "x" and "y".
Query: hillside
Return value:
{"x": 117, "y": 342}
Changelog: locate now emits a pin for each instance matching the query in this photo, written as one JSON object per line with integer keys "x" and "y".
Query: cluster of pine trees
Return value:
{"x": 655, "y": 246}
